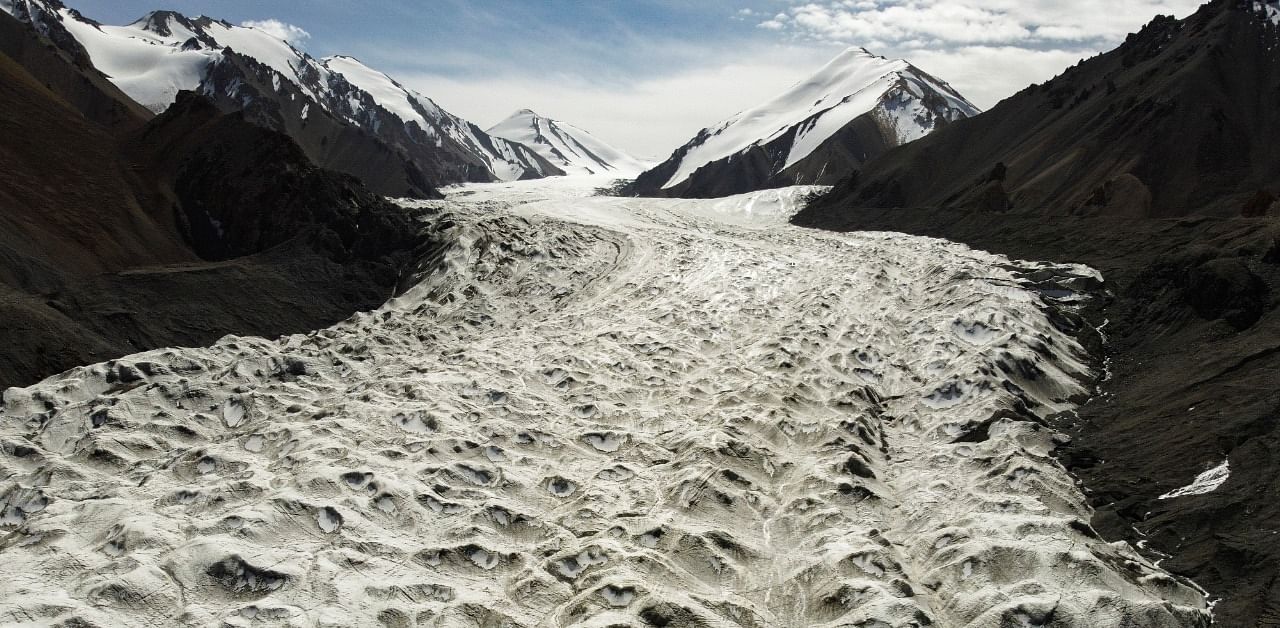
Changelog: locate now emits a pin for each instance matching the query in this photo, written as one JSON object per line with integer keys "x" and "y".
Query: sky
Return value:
{"x": 646, "y": 75}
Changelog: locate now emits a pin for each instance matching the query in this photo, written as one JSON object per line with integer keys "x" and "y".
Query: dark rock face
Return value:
{"x": 328, "y": 141}
{"x": 1226, "y": 289}
{"x": 65, "y": 69}
{"x": 119, "y": 235}
{"x": 1153, "y": 164}
{"x": 243, "y": 189}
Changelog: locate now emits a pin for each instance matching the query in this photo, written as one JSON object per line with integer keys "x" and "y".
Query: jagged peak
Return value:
{"x": 34, "y": 10}
{"x": 159, "y": 22}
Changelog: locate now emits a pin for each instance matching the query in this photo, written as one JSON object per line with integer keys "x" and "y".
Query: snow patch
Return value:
{"x": 1206, "y": 482}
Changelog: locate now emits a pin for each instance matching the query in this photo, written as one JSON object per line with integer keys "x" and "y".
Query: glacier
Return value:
{"x": 592, "y": 411}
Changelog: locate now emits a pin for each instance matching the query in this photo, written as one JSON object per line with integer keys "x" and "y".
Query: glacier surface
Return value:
{"x": 594, "y": 412}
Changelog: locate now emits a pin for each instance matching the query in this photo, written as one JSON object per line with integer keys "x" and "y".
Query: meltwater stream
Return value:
{"x": 598, "y": 412}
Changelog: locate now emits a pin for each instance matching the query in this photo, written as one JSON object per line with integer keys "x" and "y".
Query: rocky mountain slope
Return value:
{"x": 569, "y": 148}
{"x": 855, "y": 108}
{"x": 119, "y": 234}
{"x": 1155, "y": 164}
{"x": 344, "y": 115}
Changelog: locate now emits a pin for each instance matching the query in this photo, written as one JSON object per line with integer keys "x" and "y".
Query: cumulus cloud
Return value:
{"x": 986, "y": 49}
{"x": 988, "y": 74}
{"x": 933, "y": 23}
{"x": 282, "y": 30}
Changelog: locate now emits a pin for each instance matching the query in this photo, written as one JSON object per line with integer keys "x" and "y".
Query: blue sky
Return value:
{"x": 647, "y": 74}
{"x": 607, "y": 41}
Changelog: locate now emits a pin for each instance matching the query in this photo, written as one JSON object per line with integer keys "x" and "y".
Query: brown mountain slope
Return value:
{"x": 1156, "y": 164}
{"x": 118, "y": 235}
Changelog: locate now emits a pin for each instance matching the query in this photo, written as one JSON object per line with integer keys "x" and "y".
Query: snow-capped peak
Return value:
{"x": 507, "y": 160}
{"x": 854, "y": 83}
{"x": 569, "y": 148}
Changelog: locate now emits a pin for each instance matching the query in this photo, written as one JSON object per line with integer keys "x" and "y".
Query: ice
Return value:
{"x": 592, "y": 411}
{"x": 1206, "y": 482}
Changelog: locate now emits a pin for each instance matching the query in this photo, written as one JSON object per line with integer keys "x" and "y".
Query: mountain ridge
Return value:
{"x": 164, "y": 52}
{"x": 572, "y": 149}
{"x": 854, "y": 108}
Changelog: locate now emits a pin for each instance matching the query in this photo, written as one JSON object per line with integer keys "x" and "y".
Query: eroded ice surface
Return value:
{"x": 601, "y": 412}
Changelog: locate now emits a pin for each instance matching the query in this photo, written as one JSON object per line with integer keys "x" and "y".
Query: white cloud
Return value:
{"x": 972, "y": 22}
{"x": 281, "y": 30}
{"x": 647, "y": 117}
{"x": 986, "y": 49}
{"x": 988, "y": 74}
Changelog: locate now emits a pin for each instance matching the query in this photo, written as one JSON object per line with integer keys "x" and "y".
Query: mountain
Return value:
{"x": 121, "y": 231}
{"x": 1155, "y": 163}
{"x": 855, "y": 108}
{"x": 343, "y": 114}
{"x": 569, "y": 148}
{"x": 1175, "y": 122}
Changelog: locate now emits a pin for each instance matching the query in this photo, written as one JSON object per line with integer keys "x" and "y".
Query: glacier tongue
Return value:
{"x": 598, "y": 410}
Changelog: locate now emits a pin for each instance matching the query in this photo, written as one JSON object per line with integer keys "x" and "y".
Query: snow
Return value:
{"x": 384, "y": 89}
{"x": 152, "y": 67}
{"x": 851, "y": 85}
{"x": 569, "y": 148}
{"x": 507, "y": 161}
{"x": 615, "y": 404}
{"x": 147, "y": 67}
{"x": 267, "y": 49}
{"x": 1206, "y": 482}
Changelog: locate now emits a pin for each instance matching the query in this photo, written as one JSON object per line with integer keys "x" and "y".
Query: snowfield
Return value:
{"x": 598, "y": 412}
